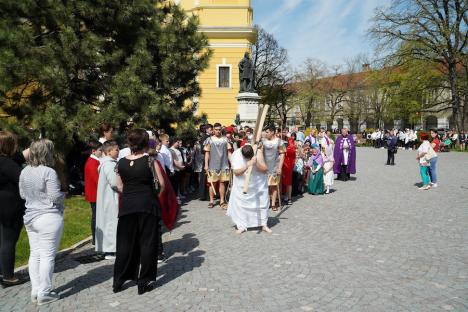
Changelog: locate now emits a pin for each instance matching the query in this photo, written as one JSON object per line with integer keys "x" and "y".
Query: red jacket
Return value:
{"x": 91, "y": 176}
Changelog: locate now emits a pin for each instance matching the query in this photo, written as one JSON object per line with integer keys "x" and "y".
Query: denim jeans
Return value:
{"x": 433, "y": 170}
{"x": 44, "y": 235}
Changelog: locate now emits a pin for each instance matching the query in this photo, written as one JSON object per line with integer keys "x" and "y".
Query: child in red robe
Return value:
{"x": 91, "y": 177}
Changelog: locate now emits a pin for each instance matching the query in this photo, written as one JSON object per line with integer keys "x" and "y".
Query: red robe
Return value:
{"x": 91, "y": 177}
{"x": 288, "y": 164}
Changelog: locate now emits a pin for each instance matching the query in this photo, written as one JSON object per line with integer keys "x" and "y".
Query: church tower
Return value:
{"x": 228, "y": 24}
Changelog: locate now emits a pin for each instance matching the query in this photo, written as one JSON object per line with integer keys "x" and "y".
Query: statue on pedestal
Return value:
{"x": 246, "y": 75}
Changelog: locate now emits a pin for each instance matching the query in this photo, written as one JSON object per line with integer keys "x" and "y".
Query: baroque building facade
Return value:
{"x": 228, "y": 25}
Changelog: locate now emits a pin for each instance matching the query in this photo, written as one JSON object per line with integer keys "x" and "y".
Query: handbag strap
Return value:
{"x": 153, "y": 169}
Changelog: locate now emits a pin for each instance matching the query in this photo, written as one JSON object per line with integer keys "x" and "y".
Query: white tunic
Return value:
{"x": 251, "y": 209}
{"x": 107, "y": 206}
{"x": 345, "y": 151}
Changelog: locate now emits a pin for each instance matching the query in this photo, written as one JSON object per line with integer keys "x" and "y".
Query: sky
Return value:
{"x": 328, "y": 30}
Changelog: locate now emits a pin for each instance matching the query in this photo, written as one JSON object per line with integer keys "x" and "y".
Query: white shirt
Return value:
{"x": 124, "y": 152}
{"x": 423, "y": 148}
{"x": 167, "y": 158}
{"x": 178, "y": 157}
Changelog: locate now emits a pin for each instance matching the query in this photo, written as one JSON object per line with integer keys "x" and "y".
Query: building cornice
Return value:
{"x": 230, "y": 45}
{"x": 214, "y": 6}
{"x": 229, "y": 32}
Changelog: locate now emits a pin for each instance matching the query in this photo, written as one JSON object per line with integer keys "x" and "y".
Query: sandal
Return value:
{"x": 274, "y": 208}
{"x": 223, "y": 206}
{"x": 290, "y": 202}
{"x": 210, "y": 205}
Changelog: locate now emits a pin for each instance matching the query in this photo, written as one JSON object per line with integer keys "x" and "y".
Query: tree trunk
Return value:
{"x": 308, "y": 119}
{"x": 455, "y": 97}
{"x": 354, "y": 125}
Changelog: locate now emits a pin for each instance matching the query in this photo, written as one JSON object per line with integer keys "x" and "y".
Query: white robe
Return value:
{"x": 107, "y": 206}
{"x": 328, "y": 162}
{"x": 251, "y": 209}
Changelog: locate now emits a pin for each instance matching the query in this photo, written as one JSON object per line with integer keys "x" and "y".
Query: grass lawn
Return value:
{"x": 76, "y": 228}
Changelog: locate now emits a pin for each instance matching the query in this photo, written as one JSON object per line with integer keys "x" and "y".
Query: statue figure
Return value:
{"x": 246, "y": 74}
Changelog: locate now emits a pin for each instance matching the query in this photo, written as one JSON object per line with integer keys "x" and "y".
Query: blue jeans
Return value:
{"x": 433, "y": 170}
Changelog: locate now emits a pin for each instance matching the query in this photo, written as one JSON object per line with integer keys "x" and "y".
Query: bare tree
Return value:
{"x": 307, "y": 89}
{"x": 432, "y": 30}
{"x": 333, "y": 93}
{"x": 270, "y": 60}
{"x": 357, "y": 99}
{"x": 273, "y": 78}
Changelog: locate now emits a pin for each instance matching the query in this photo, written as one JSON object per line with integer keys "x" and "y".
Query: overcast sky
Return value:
{"x": 329, "y": 30}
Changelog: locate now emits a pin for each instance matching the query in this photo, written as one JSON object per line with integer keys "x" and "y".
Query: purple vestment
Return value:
{"x": 338, "y": 155}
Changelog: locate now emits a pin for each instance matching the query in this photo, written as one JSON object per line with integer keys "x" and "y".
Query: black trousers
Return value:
{"x": 9, "y": 235}
{"x": 202, "y": 189}
{"x": 93, "y": 221}
{"x": 175, "y": 181}
{"x": 344, "y": 175}
{"x": 390, "y": 157}
{"x": 296, "y": 184}
{"x": 137, "y": 249}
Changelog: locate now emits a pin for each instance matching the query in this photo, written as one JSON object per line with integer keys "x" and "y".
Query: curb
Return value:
{"x": 60, "y": 255}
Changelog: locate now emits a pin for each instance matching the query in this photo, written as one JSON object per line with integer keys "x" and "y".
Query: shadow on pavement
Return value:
{"x": 176, "y": 266}
{"x": 91, "y": 278}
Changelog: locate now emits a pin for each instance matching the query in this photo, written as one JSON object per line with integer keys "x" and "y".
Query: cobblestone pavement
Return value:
{"x": 375, "y": 244}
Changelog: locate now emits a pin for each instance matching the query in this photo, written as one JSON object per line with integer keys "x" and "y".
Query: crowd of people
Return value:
{"x": 409, "y": 139}
{"x": 136, "y": 187}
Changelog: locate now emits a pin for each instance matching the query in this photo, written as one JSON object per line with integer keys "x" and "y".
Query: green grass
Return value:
{"x": 77, "y": 218}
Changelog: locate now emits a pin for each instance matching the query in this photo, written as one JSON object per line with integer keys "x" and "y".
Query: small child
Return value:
{"x": 298, "y": 173}
{"x": 315, "y": 163}
{"x": 107, "y": 202}
{"x": 91, "y": 177}
{"x": 328, "y": 162}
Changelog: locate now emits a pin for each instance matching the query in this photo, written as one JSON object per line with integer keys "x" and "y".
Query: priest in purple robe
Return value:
{"x": 345, "y": 155}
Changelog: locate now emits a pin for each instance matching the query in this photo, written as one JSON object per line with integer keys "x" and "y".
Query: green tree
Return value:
{"x": 429, "y": 30}
{"x": 67, "y": 65}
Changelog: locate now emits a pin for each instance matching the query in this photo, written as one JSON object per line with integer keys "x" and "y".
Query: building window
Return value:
{"x": 224, "y": 76}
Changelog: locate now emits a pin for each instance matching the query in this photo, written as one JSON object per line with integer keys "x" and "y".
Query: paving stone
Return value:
{"x": 375, "y": 244}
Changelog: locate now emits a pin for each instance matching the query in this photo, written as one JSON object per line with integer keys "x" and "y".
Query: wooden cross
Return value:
{"x": 257, "y": 135}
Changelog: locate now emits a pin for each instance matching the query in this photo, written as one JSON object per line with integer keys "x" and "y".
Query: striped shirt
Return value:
{"x": 40, "y": 188}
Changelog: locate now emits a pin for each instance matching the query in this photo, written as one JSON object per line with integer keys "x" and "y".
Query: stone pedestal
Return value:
{"x": 247, "y": 108}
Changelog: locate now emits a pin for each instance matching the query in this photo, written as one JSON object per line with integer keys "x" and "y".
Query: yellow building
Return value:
{"x": 228, "y": 24}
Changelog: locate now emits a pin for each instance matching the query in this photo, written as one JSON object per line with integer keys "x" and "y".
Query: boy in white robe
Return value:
{"x": 251, "y": 209}
{"x": 107, "y": 202}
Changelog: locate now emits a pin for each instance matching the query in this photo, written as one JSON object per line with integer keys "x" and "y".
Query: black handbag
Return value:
{"x": 156, "y": 185}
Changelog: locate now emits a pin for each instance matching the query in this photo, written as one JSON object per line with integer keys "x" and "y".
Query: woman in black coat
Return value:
{"x": 12, "y": 206}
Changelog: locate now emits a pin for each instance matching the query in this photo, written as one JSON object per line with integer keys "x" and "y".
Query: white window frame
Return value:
{"x": 217, "y": 75}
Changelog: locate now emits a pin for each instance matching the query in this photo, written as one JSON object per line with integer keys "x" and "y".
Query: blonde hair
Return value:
{"x": 163, "y": 137}
{"x": 41, "y": 152}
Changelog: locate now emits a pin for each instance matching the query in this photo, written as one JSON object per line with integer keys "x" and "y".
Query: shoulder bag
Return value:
{"x": 156, "y": 185}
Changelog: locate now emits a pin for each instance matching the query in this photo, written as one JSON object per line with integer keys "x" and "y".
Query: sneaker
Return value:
{"x": 48, "y": 298}
{"x": 426, "y": 187}
{"x": 109, "y": 257}
{"x": 434, "y": 185}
